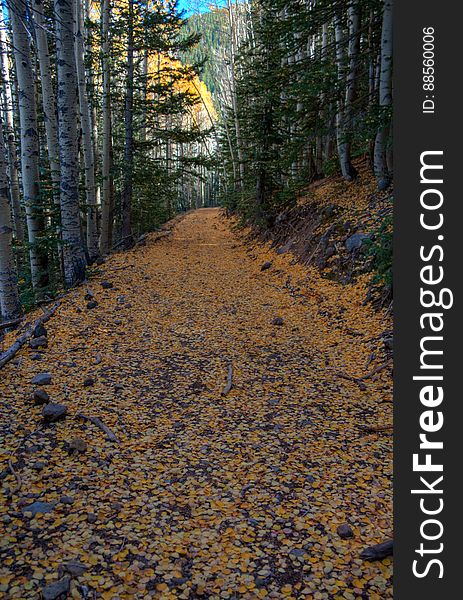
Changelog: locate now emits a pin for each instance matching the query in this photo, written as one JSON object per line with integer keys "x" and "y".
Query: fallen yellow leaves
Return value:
{"x": 205, "y": 495}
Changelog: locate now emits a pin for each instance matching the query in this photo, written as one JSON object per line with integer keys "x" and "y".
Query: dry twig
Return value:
{"x": 99, "y": 423}
{"x": 226, "y": 390}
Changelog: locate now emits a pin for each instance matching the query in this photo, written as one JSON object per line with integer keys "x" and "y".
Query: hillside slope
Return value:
{"x": 212, "y": 26}
{"x": 344, "y": 229}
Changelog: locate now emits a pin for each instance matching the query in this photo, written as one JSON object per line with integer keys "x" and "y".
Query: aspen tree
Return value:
{"x": 87, "y": 137}
{"x": 29, "y": 143}
{"x": 10, "y": 306}
{"x": 10, "y": 133}
{"x": 48, "y": 95}
{"x": 127, "y": 191}
{"x": 73, "y": 249}
{"x": 107, "y": 200}
{"x": 385, "y": 99}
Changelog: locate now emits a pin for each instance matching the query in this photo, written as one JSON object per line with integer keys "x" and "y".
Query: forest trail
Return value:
{"x": 204, "y": 495}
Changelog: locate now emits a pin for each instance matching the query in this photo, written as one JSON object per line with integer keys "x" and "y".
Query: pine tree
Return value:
{"x": 307, "y": 98}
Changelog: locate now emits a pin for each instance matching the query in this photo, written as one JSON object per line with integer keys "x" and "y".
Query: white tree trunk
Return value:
{"x": 29, "y": 142}
{"x": 344, "y": 122}
{"x": 234, "y": 49}
{"x": 92, "y": 87}
{"x": 127, "y": 191}
{"x": 10, "y": 306}
{"x": 107, "y": 187}
{"x": 48, "y": 95}
{"x": 73, "y": 250}
{"x": 87, "y": 141}
{"x": 385, "y": 99}
{"x": 10, "y": 133}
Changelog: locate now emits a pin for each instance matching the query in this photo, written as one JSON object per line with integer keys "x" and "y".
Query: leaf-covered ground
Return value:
{"x": 206, "y": 495}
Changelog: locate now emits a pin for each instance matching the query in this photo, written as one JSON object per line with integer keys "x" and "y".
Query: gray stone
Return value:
{"x": 38, "y": 466}
{"x": 389, "y": 343}
{"x": 266, "y": 266}
{"x": 73, "y": 567}
{"x": 330, "y": 251}
{"x": 107, "y": 285}
{"x": 354, "y": 242}
{"x": 54, "y": 412}
{"x": 284, "y": 249}
{"x": 345, "y": 531}
{"x": 278, "y": 322}
{"x": 378, "y": 552}
{"x": 92, "y": 304}
{"x": 57, "y": 590}
{"x": 66, "y": 500}
{"x": 40, "y": 331}
{"x": 92, "y": 518}
{"x": 42, "y": 379}
{"x": 40, "y": 396}
{"x": 39, "y": 342}
{"x": 39, "y": 508}
{"x": 78, "y": 445}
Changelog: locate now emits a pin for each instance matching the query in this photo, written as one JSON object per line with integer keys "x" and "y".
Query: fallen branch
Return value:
{"x": 99, "y": 423}
{"x": 13, "y": 323}
{"x": 360, "y": 383}
{"x": 120, "y": 268}
{"x": 226, "y": 390}
{"x": 17, "y": 477}
{"x": 377, "y": 370}
{"x": 19, "y": 343}
{"x": 359, "y": 380}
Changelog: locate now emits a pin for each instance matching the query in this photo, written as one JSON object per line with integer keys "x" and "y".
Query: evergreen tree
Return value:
{"x": 308, "y": 99}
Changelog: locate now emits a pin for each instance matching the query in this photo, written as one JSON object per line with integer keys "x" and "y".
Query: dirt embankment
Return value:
{"x": 343, "y": 229}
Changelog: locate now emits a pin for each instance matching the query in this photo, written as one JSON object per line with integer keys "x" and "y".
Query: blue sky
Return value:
{"x": 202, "y": 5}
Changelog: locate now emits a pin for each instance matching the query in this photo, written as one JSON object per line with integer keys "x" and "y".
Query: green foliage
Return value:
{"x": 211, "y": 27}
{"x": 289, "y": 90}
{"x": 380, "y": 251}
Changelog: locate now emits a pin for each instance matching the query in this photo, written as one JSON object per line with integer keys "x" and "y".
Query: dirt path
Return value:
{"x": 236, "y": 496}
